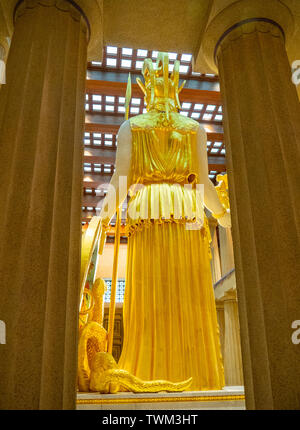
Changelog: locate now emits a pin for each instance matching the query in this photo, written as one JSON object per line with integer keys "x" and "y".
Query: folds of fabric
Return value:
{"x": 162, "y": 202}
{"x": 170, "y": 323}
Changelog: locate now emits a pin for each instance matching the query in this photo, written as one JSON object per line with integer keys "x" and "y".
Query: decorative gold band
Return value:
{"x": 160, "y": 399}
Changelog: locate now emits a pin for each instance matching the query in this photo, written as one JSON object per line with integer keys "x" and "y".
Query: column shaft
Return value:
{"x": 41, "y": 131}
{"x": 221, "y": 323}
{"x": 262, "y": 132}
{"x": 3, "y": 55}
{"x": 215, "y": 261}
{"x": 226, "y": 250}
{"x": 232, "y": 344}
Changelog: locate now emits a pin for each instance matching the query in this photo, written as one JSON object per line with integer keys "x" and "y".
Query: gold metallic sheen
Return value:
{"x": 112, "y": 306}
{"x": 89, "y": 242}
{"x": 107, "y": 378}
{"x": 222, "y": 190}
{"x": 170, "y": 322}
{"x": 92, "y": 336}
{"x": 160, "y": 399}
{"x": 161, "y": 91}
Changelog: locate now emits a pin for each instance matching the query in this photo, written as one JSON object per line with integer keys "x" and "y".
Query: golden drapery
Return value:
{"x": 170, "y": 322}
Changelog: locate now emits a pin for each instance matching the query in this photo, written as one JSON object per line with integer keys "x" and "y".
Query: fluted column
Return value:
{"x": 262, "y": 135}
{"x": 226, "y": 250}
{"x": 215, "y": 254}
{"x": 221, "y": 323}
{"x": 4, "y": 47}
{"x": 41, "y": 130}
{"x": 2, "y": 65}
{"x": 232, "y": 342}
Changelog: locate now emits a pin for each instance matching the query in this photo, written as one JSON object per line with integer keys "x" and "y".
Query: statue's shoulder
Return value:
{"x": 145, "y": 121}
{"x": 184, "y": 123}
{"x": 154, "y": 119}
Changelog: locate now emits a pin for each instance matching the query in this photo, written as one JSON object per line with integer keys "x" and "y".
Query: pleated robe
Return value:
{"x": 170, "y": 322}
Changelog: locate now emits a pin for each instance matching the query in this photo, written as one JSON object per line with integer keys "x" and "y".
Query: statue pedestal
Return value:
{"x": 228, "y": 398}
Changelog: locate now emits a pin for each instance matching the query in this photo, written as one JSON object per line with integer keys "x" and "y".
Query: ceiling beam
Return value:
{"x": 104, "y": 157}
{"x": 111, "y": 88}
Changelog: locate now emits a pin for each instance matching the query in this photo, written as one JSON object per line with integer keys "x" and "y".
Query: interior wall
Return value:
{"x": 105, "y": 261}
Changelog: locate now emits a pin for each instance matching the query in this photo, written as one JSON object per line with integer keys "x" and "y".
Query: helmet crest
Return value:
{"x": 161, "y": 90}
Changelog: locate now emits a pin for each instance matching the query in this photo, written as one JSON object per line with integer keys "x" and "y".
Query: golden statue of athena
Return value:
{"x": 170, "y": 321}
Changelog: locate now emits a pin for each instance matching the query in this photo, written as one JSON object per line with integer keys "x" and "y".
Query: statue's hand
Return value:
{"x": 225, "y": 220}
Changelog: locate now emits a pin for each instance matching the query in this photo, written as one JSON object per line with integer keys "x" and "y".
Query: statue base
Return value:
{"x": 228, "y": 398}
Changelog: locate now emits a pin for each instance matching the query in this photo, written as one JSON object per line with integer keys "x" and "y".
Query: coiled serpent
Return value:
{"x": 107, "y": 378}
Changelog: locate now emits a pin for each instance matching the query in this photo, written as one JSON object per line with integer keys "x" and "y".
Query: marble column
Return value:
{"x": 4, "y": 47}
{"x": 41, "y": 132}
{"x": 232, "y": 342}
{"x": 215, "y": 254}
{"x": 262, "y": 136}
{"x": 226, "y": 250}
{"x": 221, "y": 323}
{"x": 2, "y": 65}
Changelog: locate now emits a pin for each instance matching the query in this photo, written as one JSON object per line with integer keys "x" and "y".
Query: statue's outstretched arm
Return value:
{"x": 211, "y": 199}
{"x": 116, "y": 193}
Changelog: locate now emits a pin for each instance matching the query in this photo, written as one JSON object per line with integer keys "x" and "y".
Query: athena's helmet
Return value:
{"x": 161, "y": 90}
